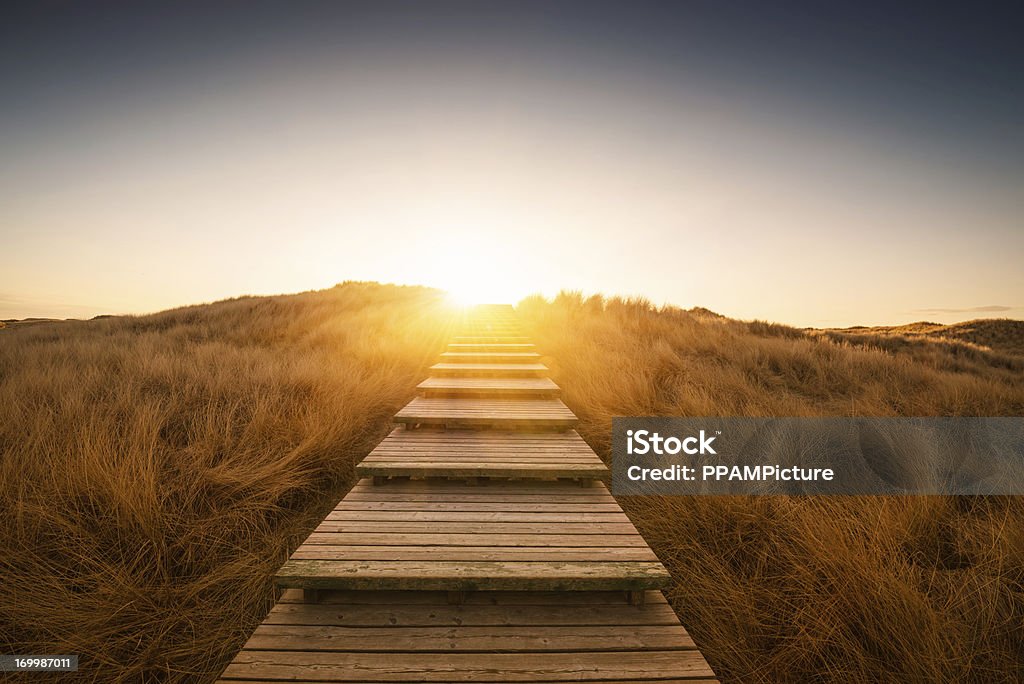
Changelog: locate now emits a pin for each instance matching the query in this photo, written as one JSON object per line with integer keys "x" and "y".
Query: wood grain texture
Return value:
{"x": 497, "y": 413}
{"x": 490, "y": 453}
{"x": 489, "y": 357}
{"x": 489, "y": 387}
{"x": 359, "y": 636}
{"x": 453, "y": 666}
{"x": 491, "y": 346}
{"x": 510, "y": 370}
{"x": 472, "y": 575}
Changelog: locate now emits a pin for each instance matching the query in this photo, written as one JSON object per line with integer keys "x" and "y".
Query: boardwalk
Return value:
{"x": 479, "y": 545}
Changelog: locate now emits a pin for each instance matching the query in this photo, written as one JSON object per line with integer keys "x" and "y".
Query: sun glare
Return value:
{"x": 478, "y": 274}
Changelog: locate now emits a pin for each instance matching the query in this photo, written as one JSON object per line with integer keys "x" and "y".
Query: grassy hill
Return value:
{"x": 156, "y": 470}
{"x": 797, "y": 589}
{"x": 1000, "y": 335}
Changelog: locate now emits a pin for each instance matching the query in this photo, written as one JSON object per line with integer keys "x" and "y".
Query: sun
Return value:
{"x": 470, "y": 291}
{"x": 475, "y": 273}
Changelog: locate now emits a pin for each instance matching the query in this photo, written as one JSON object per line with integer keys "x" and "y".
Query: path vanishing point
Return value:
{"x": 479, "y": 545}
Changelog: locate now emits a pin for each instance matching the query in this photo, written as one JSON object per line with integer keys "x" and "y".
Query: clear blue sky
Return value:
{"x": 812, "y": 165}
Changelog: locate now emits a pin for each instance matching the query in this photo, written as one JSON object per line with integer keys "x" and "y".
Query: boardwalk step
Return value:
{"x": 491, "y": 347}
{"x": 490, "y": 357}
{"x": 435, "y": 575}
{"x": 489, "y": 369}
{"x": 485, "y": 339}
{"x": 494, "y": 413}
{"x": 489, "y": 387}
{"x": 508, "y": 636}
{"x": 521, "y": 549}
{"x": 471, "y": 453}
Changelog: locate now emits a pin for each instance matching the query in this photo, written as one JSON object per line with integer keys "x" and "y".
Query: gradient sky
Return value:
{"x": 839, "y": 166}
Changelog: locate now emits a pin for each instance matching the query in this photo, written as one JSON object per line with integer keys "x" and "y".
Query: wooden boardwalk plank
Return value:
{"x": 491, "y": 347}
{"x": 543, "y": 388}
{"x": 472, "y": 453}
{"x": 495, "y": 413}
{"x": 472, "y": 553}
{"x": 393, "y": 547}
{"x": 486, "y": 339}
{"x": 472, "y": 575}
{"x": 489, "y": 357}
{"x": 490, "y": 369}
{"x": 384, "y": 636}
{"x": 597, "y": 541}
{"x": 452, "y": 666}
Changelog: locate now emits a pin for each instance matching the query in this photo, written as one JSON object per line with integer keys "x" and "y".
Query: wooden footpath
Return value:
{"x": 479, "y": 545}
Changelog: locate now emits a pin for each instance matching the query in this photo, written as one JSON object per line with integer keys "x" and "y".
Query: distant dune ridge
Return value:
{"x": 1001, "y": 335}
{"x": 157, "y": 469}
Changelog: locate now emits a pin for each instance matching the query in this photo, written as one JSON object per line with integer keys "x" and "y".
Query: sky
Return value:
{"x": 818, "y": 164}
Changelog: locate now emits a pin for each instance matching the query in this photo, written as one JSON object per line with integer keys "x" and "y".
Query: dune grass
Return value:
{"x": 156, "y": 470}
{"x": 797, "y": 589}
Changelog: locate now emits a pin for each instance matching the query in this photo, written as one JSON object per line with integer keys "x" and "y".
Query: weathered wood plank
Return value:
{"x": 471, "y": 453}
{"x": 491, "y": 347}
{"x": 490, "y": 369}
{"x": 472, "y": 575}
{"x": 489, "y": 357}
{"x": 478, "y": 516}
{"x": 466, "y": 527}
{"x": 491, "y": 639}
{"x": 467, "y": 667}
{"x": 482, "y": 598}
{"x": 498, "y": 413}
{"x": 489, "y": 387}
{"x": 413, "y": 506}
{"x": 485, "y": 339}
{"x": 441, "y": 539}
{"x": 473, "y": 553}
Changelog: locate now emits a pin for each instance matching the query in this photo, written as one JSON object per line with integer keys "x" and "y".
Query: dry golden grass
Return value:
{"x": 999, "y": 337}
{"x": 157, "y": 470}
{"x": 781, "y": 589}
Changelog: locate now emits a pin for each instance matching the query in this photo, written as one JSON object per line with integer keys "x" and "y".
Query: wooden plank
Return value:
{"x": 484, "y": 339}
{"x": 491, "y": 639}
{"x": 499, "y": 413}
{"x": 491, "y": 347}
{"x": 387, "y": 494}
{"x": 466, "y": 667}
{"x": 490, "y": 387}
{"x": 427, "y": 492}
{"x": 556, "y": 516}
{"x": 532, "y": 681}
{"x": 579, "y": 472}
{"x": 561, "y": 599}
{"x": 464, "y": 527}
{"x": 472, "y": 553}
{"x": 442, "y": 539}
{"x": 472, "y": 575}
{"x": 489, "y": 357}
{"x": 490, "y": 369}
{"x": 451, "y": 443}
{"x": 471, "y": 453}
{"x": 485, "y": 506}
